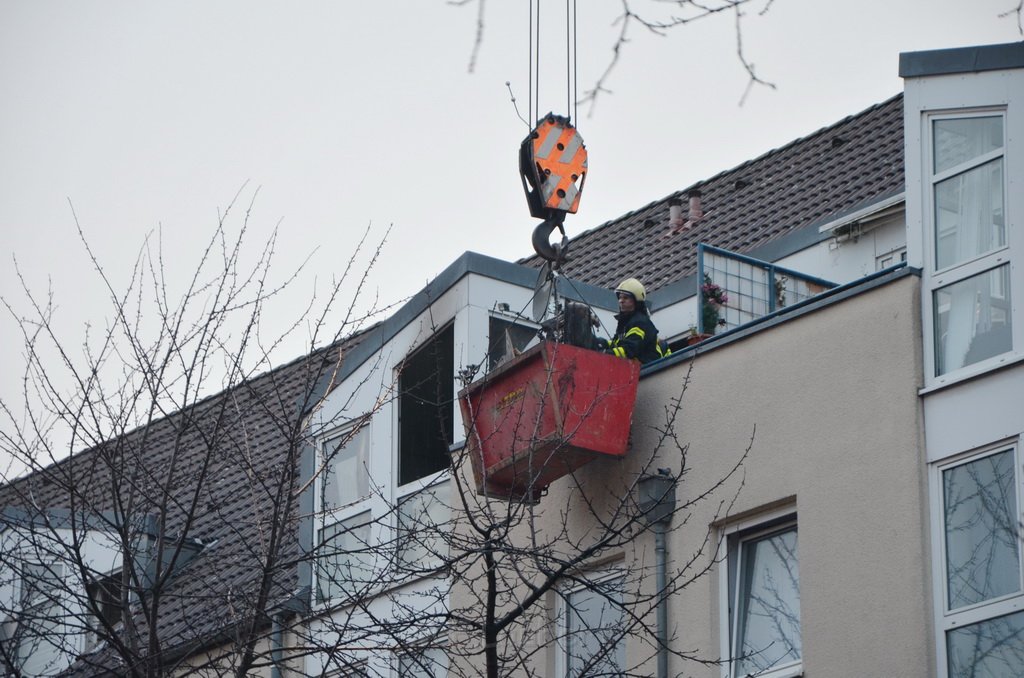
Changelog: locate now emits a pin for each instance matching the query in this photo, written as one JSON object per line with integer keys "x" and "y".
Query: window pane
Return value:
{"x": 960, "y": 140}
{"x": 41, "y": 641}
{"x": 969, "y": 214}
{"x": 428, "y": 663}
{"x": 40, "y": 582}
{"x": 972, "y": 320}
{"x": 346, "y": 478}
{"x": 346, "y": 557}
{"x": 423, "y": 519}
{"x": 505, "y": 340}
{"x": 991, "y": 649}
{"x": 594, "y": 643}
{"x": 426, "y": 387}
{"x": 768, "y": 610}
{"x": 982, "y": 552}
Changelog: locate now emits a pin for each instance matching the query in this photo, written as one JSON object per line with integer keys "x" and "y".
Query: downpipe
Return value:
{"x": 661, "y": 566}
{"x": 276, "y": 645}
{"x": 657, "y": 502}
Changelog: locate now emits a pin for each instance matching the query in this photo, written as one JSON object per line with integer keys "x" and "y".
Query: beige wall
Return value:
{"x": 833, "y": 396}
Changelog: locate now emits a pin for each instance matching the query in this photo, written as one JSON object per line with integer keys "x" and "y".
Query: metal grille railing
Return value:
{"x": 752, "y": 288}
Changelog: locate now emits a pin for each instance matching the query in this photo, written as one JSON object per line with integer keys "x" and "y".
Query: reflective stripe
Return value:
{"x": 637, "y": 331}
{"x": 570, "y": 196}
{"x": 619, "y": 351}
{"x": 569, "y": 154}
{"x": 548, "y": 143}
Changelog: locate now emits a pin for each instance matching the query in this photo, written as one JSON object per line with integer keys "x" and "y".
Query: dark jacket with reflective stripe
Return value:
{"x": 635, "y": 337}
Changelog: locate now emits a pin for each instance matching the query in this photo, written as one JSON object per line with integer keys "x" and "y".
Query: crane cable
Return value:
{"x": 571, "y": 61}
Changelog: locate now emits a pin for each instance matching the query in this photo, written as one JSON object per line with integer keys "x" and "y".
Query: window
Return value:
{"x": 347, "y": 669}
{"x": 346, "y": 470}
{"x": 423, "y": 528}
{"x": 968, "y": 188}
{"x": 506, "y": 339}
{"x": 40, "y": 622}
{"x": 884, "y": 261}
{"x": 344, "y": 555}
{"x": 592, "y": 621}
{"x": 427, "y": 662}
{"x": 345, "y": 558}
{"x": 970, "y": 278}
{"x": 972, "y": 320}
{"x": 983, "y": 591}
{"x": 105, "y": 595}
{"x": 426, "y": 385}
{"x": 764, "y": 600}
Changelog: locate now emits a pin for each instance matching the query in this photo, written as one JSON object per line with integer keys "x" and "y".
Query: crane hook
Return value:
{"x": 555, "y": 253}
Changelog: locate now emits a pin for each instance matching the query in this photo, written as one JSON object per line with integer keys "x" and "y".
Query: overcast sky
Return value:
{"x": 345, "y": 114}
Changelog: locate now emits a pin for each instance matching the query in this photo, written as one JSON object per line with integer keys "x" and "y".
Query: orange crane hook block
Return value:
{"x": 553, "y": 167}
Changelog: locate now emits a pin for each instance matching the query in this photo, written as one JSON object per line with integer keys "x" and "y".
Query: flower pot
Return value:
{"x": 697, "y": 338}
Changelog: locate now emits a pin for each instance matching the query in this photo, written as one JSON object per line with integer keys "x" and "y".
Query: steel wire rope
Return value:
{"x": 529, "y": 108}
{"x": 575, "y": 289}
{"x": 575, "y": 67}
{"x": 536, "y": 61}
{"x": 568, "y": 61}
{"x": 554, "y": 291}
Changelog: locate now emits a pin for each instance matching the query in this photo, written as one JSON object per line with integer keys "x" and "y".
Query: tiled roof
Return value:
{"x": 232, "y": 455}
{"x": 784, "y": 190}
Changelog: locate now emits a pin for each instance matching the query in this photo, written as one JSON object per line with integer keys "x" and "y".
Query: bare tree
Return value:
{"x": 181, "y": 537}
{"x": 659, "y": 18}
{"x": 186, "y": 440}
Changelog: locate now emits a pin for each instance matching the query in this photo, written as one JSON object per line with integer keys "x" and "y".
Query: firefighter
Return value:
{"x": 635, "y": 336}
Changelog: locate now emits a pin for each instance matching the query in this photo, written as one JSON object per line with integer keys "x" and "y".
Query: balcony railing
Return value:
{"x": 754, "y": 288}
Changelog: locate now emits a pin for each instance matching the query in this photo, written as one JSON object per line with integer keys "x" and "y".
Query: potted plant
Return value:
{"x": 713, "y": 299}
{"x": 694, "y": 337}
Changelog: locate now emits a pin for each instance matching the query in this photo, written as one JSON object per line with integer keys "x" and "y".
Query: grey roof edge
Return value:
{"x": 827, "y": 298}
{"x": 467, "y": 263}
{"x": 860, "y": 210}
{"x": 962, "y": 60}
{"x": 61, "y": 518}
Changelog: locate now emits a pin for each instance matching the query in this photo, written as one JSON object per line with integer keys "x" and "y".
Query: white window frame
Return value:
{"x": 514, "y": 320}
{"x": 359, "y": 520}
{"x": 358, "y": 510}
{"x": 747, "y": 529}
{"x": 355, "y": 429}
{"x": 562, "y": 611}
{"x": 438, "y": 643}
{"x": 95, "y": 625}
{"x": 438, "y": 481}
{"x": 935, "y": 278}
{"x": 891, "y": 258}
{"x": 947, "y": 620}
{"x": 53, "y": 601}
